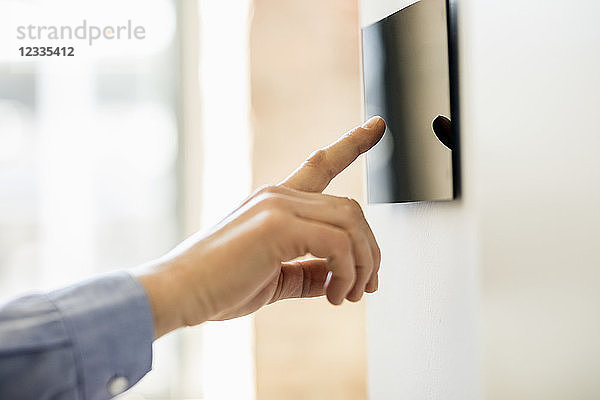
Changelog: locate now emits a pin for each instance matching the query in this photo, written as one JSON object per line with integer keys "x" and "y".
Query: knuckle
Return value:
{"x": 356, "y": 207}
{"x": 361, "y": 145}
{"x": 352, "y": 208}
{"x": 358, "y": 146}
{"x": 270, "y": 201}
{"x": 377, "y": 257}
{"x": 266, "y": 189}
{"x": 364, "y": 270}
{"x": 344, "y": 242}
{"x": 318, "y": 161}
{"x": 366, "y": 264}
{"x": 360, "y": 240}
{"x": 355, "y": 233}
{"x": 341, "y": 245}
{"x": 268, "y": 198}
{"x": 346, "y": 249}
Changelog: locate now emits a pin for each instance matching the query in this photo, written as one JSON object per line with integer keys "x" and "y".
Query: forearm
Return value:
{"x": 91, "y": 341}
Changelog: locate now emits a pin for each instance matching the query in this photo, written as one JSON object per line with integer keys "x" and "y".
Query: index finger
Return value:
{"x": 325, "y": 164}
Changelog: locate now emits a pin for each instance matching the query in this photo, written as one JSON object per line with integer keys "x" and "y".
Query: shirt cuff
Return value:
{"x": 110, "y": 323}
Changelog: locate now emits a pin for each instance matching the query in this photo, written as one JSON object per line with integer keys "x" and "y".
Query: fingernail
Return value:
{"x": 370, "y": 288}
{"x": 372, "y": 122}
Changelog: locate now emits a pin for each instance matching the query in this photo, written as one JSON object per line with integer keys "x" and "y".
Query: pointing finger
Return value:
{"x": 325, "y": 164}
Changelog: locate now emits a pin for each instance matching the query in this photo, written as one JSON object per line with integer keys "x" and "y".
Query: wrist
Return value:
{"x": 165, "y": 285}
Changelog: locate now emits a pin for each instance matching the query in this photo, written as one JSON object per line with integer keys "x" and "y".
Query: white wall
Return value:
{"x": 497, "y": 295}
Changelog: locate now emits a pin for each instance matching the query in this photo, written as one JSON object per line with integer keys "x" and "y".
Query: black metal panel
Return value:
{"x": 406, "y": 68}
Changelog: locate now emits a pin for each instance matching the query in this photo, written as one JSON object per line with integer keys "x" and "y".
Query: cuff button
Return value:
{"x": 117, "y": 385}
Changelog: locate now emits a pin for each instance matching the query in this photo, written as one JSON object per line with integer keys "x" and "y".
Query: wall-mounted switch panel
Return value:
{"x": 406, "y": 70}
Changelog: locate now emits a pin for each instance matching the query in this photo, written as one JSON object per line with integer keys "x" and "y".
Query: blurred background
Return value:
{"x": 110, "y": 158}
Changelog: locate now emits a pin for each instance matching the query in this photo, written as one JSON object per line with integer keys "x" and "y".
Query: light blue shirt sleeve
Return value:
{"x": 90, "y": 341}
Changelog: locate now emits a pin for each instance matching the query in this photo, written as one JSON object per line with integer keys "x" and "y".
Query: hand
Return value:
{"x": 246, "y": 261}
